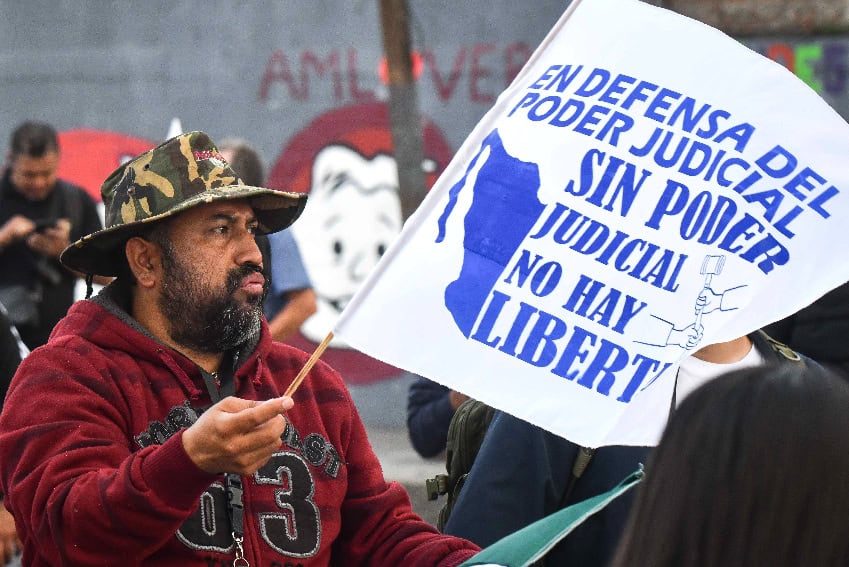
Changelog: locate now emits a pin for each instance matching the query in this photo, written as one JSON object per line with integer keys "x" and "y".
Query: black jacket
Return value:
{"x": 820, "y": 330}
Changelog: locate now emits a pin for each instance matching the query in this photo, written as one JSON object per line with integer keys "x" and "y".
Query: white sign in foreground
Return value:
{"x": 645, "y": 186}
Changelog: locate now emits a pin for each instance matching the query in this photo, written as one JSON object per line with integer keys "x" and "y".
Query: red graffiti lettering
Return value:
{"x": 311, "y": 67}
{"x": 444, "y": 89}
{"x": 277, "y": 71}
{"x": 342, "y": 73}
{"x": 360, "y": 96}
{"x": 310, "y": 61}
{"x": 479, "y": 72}
{"x": 515, "y": 57}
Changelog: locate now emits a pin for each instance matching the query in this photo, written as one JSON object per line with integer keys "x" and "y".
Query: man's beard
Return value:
{"x": 201, "y": 318}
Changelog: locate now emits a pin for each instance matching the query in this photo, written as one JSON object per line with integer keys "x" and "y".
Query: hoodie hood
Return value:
{"x": 104, "y": 321}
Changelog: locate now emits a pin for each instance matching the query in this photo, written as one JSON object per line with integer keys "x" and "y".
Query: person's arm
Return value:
{"x": 300, "y": 305}
{"x": 81, "y": 475}
{"x": 290, "y": 286}
{"x": 52, "y": 240}
{"x": 725, "y": 353}
{"x": 16, "y": 228}
{"x": 9, "y": 542}
{"x": 429, "y": 413}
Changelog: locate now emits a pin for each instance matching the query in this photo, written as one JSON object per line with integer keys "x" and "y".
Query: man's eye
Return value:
{"x": 253, "y": 229}
{"x": 221, "y": 229}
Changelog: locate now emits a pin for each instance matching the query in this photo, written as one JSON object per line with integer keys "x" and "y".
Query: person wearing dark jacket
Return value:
{"x": 39, "y": 216}
{"x": 524, "y": 473}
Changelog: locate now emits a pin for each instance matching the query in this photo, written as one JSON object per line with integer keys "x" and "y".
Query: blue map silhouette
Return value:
{"x": 504, "y": 209}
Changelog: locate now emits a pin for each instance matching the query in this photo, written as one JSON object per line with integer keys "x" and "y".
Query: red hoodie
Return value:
{"x": 94, "y": 472}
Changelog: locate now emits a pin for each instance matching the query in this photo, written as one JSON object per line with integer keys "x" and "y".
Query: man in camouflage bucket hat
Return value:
{"x": 151, "y": 430}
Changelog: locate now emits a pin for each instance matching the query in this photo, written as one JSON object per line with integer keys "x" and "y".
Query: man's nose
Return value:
{"x": 249, "y": 250}
{"x": 41, "y": 181}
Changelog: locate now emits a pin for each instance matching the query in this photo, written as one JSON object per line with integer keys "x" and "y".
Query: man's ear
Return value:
{"x": 143, "y": 257}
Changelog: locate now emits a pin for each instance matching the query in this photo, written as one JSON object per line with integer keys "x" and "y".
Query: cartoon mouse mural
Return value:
{"x": 344, "y": 160}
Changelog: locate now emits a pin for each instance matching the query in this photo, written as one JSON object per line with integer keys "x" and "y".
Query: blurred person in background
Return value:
{"x": 430, "y": 407}
{"x": 39, "y": 216}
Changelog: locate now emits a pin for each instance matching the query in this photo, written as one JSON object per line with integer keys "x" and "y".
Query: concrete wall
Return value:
{"x": 266, "y": 68}
{"x": 261, "y": 69}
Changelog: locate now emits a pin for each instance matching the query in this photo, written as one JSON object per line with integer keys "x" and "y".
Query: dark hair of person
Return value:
{"x": 753, "y": 469}
{"x": 33, "y": 139}
{"x": 245, "y": 162}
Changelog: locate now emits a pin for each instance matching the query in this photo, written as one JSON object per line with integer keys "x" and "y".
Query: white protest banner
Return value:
{"x": 646, "y": 186}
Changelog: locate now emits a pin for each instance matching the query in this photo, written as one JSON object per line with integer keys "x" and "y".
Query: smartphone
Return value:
{"x": 44, "y": 224}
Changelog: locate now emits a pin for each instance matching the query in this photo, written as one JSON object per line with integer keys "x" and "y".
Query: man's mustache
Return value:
{"x": 235, "y": 277}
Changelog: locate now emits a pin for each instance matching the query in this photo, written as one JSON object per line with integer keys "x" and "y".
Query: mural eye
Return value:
{"x": 381, "y": 249}
{"x": 337, "y": 247}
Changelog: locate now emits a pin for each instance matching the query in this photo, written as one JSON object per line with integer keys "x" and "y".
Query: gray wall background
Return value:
{"x": 132, "y": 66}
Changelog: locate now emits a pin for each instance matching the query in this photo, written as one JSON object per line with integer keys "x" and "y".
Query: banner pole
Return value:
{"x": 290, "y": 391}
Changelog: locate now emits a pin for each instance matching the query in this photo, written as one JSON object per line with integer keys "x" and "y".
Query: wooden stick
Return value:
{"x": 290, "y": 391}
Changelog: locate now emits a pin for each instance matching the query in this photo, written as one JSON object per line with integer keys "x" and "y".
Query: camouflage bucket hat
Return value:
{"x": 179, "y": 174}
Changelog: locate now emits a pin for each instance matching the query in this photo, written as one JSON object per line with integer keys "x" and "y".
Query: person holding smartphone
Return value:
{"x": 39, "y": 216}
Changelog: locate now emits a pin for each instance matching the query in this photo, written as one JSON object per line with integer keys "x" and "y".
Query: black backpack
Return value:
{"x": 465, "y": 435}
